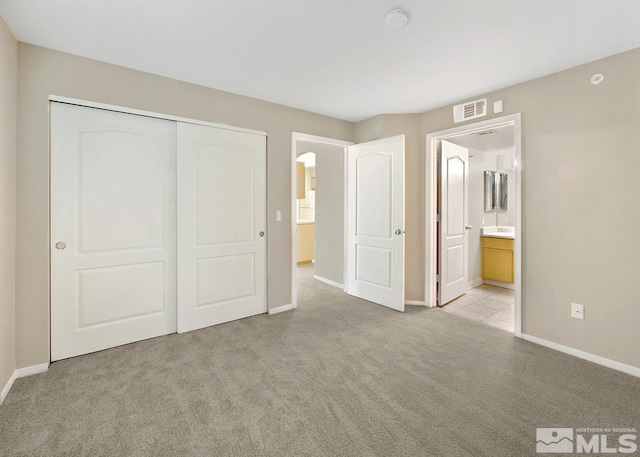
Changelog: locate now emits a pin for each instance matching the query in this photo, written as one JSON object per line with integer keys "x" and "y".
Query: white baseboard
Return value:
{"x": 35, "y": 369}
{"x": 475, "y": 283}
{"x": 7, "y": 387}
{"x": 505, "y": 285}
{"x": 415, "y": 302}
{"x": 281, "y": 309}
{"x": 21, "y": 373}
{"x": 328, "y": 281}
{"x": 634, "y": 371}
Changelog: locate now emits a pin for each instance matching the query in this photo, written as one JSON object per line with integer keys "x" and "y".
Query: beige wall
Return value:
{"x": 580, "y": 211}
{"x": 42, "y": 72}
{"x": 580, "y": 156}
{"x": 8, "y": 74}
{"x": 409, "y": 126}
{"x": 329, "y": 262}
{"x": 368, "y": 129}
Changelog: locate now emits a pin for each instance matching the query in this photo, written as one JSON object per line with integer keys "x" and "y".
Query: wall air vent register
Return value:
{"x": 470, "y": 110}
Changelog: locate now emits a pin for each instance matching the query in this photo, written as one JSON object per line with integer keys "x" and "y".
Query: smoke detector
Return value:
{"x": 397, "y": 18}
{"x": 597, "y": 79}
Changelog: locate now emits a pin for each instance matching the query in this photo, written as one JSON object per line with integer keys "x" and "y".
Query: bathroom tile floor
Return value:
{"x": 488, "y": 304}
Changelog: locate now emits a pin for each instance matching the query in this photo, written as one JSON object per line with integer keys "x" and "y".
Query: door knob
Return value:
{"x": 60, "y": 245}
{"x": 261, "y": 234}
{"x": 468, "y": 227}
{"x": 399, "y": 232}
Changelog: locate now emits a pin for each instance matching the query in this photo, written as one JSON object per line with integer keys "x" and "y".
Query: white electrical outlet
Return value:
{"x": 577, "y": 311}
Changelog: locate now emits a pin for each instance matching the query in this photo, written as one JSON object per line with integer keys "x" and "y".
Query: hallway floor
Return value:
{"x": 487, "y": 304}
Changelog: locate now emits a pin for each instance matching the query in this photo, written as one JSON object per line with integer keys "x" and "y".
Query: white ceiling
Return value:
{"x": 336, "y": 57}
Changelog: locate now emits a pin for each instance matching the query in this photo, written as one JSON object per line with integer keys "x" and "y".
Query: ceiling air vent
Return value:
{"x": 470, "y": 110}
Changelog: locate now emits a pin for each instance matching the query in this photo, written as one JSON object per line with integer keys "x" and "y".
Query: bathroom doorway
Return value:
{"x": 473, "y": 222}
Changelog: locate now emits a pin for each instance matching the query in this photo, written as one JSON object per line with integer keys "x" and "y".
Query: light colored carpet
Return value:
{"x": 336, "y": 377}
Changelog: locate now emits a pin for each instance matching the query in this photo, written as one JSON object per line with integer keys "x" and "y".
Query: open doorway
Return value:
{"x": 359, "y": 218}
{"x": 318, "y": 213}
{"x": 473, "y": 222}
{"x": 305, "y": 216}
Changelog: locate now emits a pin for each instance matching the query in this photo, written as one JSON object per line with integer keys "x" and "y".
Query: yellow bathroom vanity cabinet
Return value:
{"x": 497, "y": 259}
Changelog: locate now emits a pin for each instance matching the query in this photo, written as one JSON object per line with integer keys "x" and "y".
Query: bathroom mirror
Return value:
{"x": 503, "y": 186}
{"x": 489, "y": 191}
{"x": 496, "y": 190}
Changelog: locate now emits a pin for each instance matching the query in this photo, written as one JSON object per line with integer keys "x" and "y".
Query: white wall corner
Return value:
{"x": 21, "y": 373}
{"x": 281, "y": 309}
{"x": 634, "y": 371}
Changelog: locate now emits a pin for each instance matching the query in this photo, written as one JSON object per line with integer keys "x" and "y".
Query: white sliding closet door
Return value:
{"x": 113, "y": 229}
{"x": 221, "y": 225}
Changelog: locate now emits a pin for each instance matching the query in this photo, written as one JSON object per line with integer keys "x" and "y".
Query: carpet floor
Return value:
{"x": 336, "y": 377}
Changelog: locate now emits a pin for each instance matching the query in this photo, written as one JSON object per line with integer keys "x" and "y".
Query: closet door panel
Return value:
{"x": 113, "y": 229}
{"x": 221, "y": 225}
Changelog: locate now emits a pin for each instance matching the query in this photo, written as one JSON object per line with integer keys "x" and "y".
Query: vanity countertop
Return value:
{"x": 301, "y": 222}
{"x": 499, "y": 232}
{"x": 507, "y": 235}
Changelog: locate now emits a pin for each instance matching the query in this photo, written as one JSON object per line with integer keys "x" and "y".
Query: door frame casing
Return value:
{"x": 308, "y": 138}
{"x": 431, "y": 205}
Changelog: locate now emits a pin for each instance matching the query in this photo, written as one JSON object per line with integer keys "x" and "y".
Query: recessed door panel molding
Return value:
{"x": 221, "y": 226}
{"x": 234, "y": 279}
{"x": 127, "y": 199}
{"x": 455, "y": 196}
{"x": 374, "y": 266}
{"x": 453, "y": 228}
{"x": 455, "y": 265}
{"x": 375, "y": 239}
{"x": 235, "y": 205}
{"x": 112, "y": 294}
{"x": 374, "y": 175}
{"x": 113, "y": 229}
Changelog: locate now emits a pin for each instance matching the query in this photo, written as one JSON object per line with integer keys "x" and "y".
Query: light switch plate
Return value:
{"x": 497, "y": 107}
{"x": 577, "y": 311}
{"x": 278, "y": 216}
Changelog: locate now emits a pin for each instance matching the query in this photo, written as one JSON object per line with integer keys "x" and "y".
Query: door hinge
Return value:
{"x": 437, "y": 218}
{"x": 437, "y": 278}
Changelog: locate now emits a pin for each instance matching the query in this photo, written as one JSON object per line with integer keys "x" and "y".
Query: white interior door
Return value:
{"x": 453, "y": 233}
{"x": 375, "y": 242}
{"x": 221, "y": 225}
{"x": 113, "y": 238}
